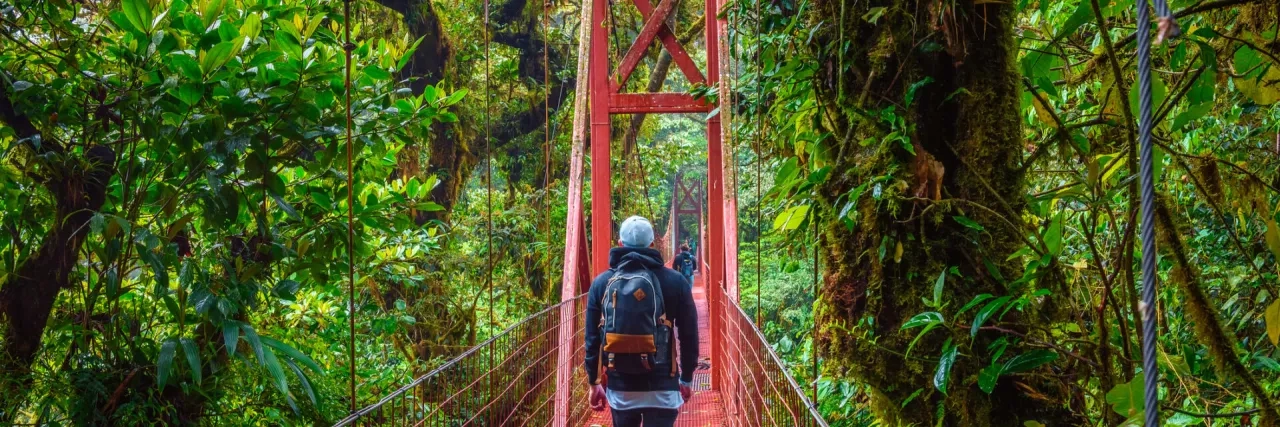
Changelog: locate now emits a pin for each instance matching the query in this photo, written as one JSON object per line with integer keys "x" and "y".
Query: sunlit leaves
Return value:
{"x": 1083, "y": 13}
{"x": 1260, "y": 78}
{"x": 1272, "y": 318}
{"x": 791, "y": 218}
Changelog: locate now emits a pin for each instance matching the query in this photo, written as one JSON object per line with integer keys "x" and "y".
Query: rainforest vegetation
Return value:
{"x": 937, "y": 201}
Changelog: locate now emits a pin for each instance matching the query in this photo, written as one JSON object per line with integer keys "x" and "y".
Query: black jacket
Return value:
{"x": 680, "y": 257}
{"x": 678, "y": 301}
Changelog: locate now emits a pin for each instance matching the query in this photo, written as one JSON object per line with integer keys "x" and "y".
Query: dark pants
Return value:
{"x": 653, "y": 417}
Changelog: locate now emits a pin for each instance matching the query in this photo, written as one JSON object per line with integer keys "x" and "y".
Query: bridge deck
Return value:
{"x": 706, "y": 408}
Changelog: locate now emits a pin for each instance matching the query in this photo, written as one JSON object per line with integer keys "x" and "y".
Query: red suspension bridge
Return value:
{"x": 530, "y": 373}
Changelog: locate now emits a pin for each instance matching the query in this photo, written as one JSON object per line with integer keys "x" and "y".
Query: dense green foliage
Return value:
{"x": 175, "y": 221}
{"x": 1059, "y": 324}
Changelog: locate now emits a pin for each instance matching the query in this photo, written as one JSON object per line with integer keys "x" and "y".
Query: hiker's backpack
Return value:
{"x": 686, "y": 265}
{"x": 637, "y": 333}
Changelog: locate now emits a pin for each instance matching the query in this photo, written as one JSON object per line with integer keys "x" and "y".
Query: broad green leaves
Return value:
{"x": 986, "y": 312}
{"x": 1126, "y": 399}
{"x": 1259, "y": 76}
{"x": 791, "y": 218}
{"x": 928, "y": 321}
{"x": 164, "y": 363}
{"x": 942, "y": 376}
{"x": 1021, "y": 363}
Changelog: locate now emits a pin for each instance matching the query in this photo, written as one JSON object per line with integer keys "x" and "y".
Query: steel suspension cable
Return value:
{"x": 488, "y": 182}
{"x": 1147, "y": 307}
{"x": 813, "y": 335}
{"x": 347, "y": 48}
{"x": 759, "y": 157}
{"x": 546, "y": 143}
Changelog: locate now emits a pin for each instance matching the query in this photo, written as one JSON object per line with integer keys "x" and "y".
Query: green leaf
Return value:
{"x": 874, "y": 14}
{"x": 1272, "y": 236}
{"x": 211, "y": 11}
{"x": 1127, "y": 399}
{"x": 286, "y": 207}
{"x": 230, "y": 336}
{"x": 293, "y": 354}
{"x": 164, "y": 364}
{"x": 193, "y": 359}
{"x": 189, "y": 93}
{"x": 1036, "y": 64}
{"x": 943, "y": 374}
{"x": 285, "y": 289}
{"x": 138, "y": 12}
{"x": 937, "y": 288}
{"x": 123, "y": 22}
{"x": 929, "y": 320}
{"x": 277, "y": 373}
{"x": 987, "y": 378}
{"x": 965, "y": 221}
{"x": 251, "y": 27}
{"x": 1082, "y": 15}
{"x": 1158, "y": 93}
{"x": 923, "y": 319}
{"x": 986, "y": 312}
{"x": 254, "y": 342}
{"x": 216, "y": 56}
{"x": 322, "y": 198}
{"x": 302, "y": 379}
{"x": 791, "y": 218}
{"x": 377, "y": 73}
{"x": 157, "y": 267}
{"x": 454, "y": 98}
{"x": 1272, "y": 317}
{"x": 1053, "y": 236}
{"x": 1190, "y": 114}
{"x": 974, "y": 302}
{"x": 1029, "y": 360}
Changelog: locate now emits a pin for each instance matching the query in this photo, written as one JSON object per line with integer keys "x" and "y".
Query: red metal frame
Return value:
{"x": 607, "y": 99}
{"x": 687, "y": 200}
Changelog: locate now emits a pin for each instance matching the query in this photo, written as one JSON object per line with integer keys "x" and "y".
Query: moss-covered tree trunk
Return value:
{"x": 963, "y": 126}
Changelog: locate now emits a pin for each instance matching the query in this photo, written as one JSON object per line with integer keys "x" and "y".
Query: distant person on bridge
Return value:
{"x": 686, "y": 262}
{"x": 634, "y": 311}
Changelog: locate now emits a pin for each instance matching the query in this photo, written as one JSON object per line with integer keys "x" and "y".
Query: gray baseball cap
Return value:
{"x": 636, "y": 232}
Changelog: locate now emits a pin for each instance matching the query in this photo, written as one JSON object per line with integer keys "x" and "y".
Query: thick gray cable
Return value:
{"x": 1149, "y": 279}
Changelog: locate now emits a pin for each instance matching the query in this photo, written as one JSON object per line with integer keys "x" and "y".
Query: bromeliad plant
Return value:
{"x": 176, "y": 183}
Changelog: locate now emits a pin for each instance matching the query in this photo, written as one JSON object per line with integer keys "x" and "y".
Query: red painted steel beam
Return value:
{"x": 715, "y": 187}
{"x": 601, "y": 185}
{"x": 655, "y": 22}
{"x": 655, "y": 25}
{"x": 667, "y": 102}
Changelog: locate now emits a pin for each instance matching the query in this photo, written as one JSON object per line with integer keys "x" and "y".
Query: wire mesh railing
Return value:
{"x": 509, "y": 380}
{"x": 758, "y": 388}
{"x": 530, "y": 375}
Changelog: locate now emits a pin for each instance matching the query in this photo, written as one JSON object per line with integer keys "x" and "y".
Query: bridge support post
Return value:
{"x": 601, "y": 176}
{"x": 715, "y": 189}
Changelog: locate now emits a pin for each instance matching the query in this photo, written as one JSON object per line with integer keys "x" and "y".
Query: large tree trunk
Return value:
{"x": 27, "y": 298}
{"x": 967, "y": 147}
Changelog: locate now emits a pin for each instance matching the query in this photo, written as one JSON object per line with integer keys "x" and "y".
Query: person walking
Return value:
{"x": 635, "y": 310}
{"x": 686, "y": 263}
